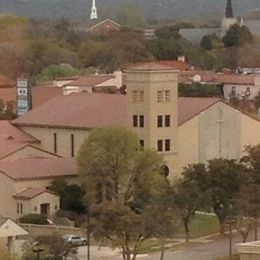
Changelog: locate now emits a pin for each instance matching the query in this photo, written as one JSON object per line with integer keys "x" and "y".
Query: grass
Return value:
{"x": 201, "y": 225}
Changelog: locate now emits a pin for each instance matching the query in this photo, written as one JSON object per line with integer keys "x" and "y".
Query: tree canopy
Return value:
{"x": 124, "y": 187}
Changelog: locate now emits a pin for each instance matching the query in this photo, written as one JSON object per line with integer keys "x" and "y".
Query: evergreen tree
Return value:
{"x": 229, "y": 10}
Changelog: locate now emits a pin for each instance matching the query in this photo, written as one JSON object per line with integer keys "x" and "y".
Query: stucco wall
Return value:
{"x": 250, "y": 132}
{"x": 46, "y": 135}
{"x": 219, "y": 133}
{"x": 187, "y": 149}
{"x": 7, "y": 203}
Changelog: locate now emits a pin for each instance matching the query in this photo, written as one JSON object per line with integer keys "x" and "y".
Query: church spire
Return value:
{"x": 229, "y": 9}
{"x": 93, "y": 14}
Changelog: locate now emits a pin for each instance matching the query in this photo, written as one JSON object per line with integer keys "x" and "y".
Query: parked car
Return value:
{"x": 74, "y": 240}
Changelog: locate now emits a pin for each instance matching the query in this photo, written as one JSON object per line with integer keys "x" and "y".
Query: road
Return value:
{"x": 207, "y": 250}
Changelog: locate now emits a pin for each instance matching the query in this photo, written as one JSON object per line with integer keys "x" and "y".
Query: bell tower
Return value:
{"x": 229, "y": 18}
{"x": 93, "y": 14}
{"x": 152, "y": 95}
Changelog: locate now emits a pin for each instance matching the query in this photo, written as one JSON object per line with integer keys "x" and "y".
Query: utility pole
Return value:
{"x": 88, "y": 232}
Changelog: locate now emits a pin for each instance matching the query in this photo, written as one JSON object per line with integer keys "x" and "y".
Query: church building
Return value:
{"x": 184, "y": 130}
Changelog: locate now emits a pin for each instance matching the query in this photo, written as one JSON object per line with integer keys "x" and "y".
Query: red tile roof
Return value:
{"x": 10, "y": 133}
{"x": 211, "y": 77}
{"x": 30, "y": 193}
{"x": 90, "y": 81}
{"x": 149, "y": 66}
{"x": 99, "y": 110}
{"x": 42, "y": 94}
{"x": 188, "y": 107}
{"x": 39, "y": 168}
{"x": 81, "y": 110}
{"x": 175, "y": 64}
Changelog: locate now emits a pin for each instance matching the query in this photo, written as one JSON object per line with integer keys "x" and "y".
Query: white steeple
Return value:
{"x": 93, "y": 14}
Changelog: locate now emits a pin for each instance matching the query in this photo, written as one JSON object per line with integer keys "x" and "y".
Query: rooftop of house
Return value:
{"x": 8, "y": 94}
{"x": 6, "y": 82}
{"x": 219, "y": 78}
{"x": 30, "y": 168}
{"x": 89, "y": 81}
{"x": 30, "y": 193}
{"x": 8, "y": 132}
{"x": 175, "y": 64}
{"x": 41, "y": 94}
{"x": 150, "y": 66}
{"x": 85, "y": 111}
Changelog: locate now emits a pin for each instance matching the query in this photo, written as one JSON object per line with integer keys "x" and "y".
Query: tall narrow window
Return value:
{"x": 135, "y": 96}
{"x": 21, "y": 208}
{"x": 141, "y": 121}
{"x": 141, "y": 96}
{"x": 18, "y": 208}
{"x": 135, "y": 120}
{"x": 55, "y": 142}
{"x": 159, "y": 96}
{"x": 167, "y": 121}
{"x": 72, "y": 145}
{"x": 159, "y": 121}
{"x": 167, "y": 145}
{"x": 141, "y": 143}
{"x": 159, "y": 145}
{"x": 167, "y": 96}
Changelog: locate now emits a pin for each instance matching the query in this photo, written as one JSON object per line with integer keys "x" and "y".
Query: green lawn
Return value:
{"x": 201, "y": 225}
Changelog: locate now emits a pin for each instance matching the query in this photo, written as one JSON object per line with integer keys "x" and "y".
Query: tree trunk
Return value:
{"x": 222, "y": 228}
{"x": 187, "y": 230}
{"x": 162, "y": 249}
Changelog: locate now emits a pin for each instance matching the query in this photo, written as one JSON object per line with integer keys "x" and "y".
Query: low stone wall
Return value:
{"x": 249, "y": 251}
{"x": 46, "y": 230}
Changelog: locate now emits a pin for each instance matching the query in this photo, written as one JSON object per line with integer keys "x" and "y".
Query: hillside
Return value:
{"x": 162, "y": 9}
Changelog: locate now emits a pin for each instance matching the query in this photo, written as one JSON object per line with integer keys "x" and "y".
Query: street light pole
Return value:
{"x": 88, "y": 232}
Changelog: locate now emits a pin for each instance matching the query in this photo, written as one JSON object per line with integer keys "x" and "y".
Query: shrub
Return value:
{"x": 34, "y": 219}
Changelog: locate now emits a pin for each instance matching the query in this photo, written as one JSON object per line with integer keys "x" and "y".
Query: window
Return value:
{"x": 167, "y": 121}
{"x": 18, "y": 208}
{"x": 138, "y": 96}
{"x": 35, "y": 209}
{"x": 159, "y": 121}
{"x": 135, "y": 120}
{"x": 167, "y": 96}
{"x": 72, "y": 145}
{"x": 141, "y": 121}
{"x": 167, "y": 145}
{"x": 21, "y": 208}
{"x": 141, "y": 143}
{"x": 135, "y": 96}
{"x": 159, "y": 96}
{"x": 55, "y": 142}
{"x": 160, "y": 145}
{"x": 141, "y": 96}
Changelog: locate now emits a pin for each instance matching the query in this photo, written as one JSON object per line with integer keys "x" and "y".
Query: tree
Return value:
{"x": 188, "y": 197}
{"x": 237, "y": 36}
{"x": 224, "y": 180}
{"x": 71, "y": 195}
{"x": 124, "y": 185}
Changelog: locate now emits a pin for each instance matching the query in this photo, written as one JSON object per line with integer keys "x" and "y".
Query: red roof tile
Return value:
{"x": 30, "y": 193}
{"x": 90, "y": 81}
{"x": 81, "y": 110}
{"x": 39, "y": 168}
{"x": 99, "y": 110}
{"x": 43, "y": 94}
{"x": 175, "y": 64}
{"x": 149, "y": 66}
